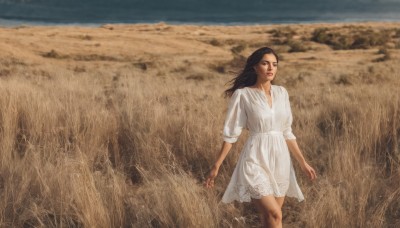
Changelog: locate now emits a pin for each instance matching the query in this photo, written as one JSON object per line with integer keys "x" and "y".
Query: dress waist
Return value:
{"x": 252, "y": 133}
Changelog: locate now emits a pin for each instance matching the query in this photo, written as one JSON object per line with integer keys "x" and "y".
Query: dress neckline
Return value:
{"x": 259, "y": 90}
{"x": 265, "y": 96}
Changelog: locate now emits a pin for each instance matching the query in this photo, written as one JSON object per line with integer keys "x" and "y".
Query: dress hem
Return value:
{"x": 249, "y": 200}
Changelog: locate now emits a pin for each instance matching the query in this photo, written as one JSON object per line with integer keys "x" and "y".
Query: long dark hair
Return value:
{"x": 248, "y": 76}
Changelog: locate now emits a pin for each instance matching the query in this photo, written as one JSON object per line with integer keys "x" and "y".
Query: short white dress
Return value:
{"x": 264, "y": 166}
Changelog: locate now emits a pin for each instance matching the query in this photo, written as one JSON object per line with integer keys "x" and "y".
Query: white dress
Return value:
{"x": 264, "y": 166}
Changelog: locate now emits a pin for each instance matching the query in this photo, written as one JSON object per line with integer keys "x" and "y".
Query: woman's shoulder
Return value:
{"x": 280, "y": 88}
{"x": 239, "y": 94}
{"x": 239, "y": 91}
{"x": 282, "y": 91}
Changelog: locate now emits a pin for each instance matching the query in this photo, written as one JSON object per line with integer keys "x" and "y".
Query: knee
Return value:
{"x": 274, "y": 216}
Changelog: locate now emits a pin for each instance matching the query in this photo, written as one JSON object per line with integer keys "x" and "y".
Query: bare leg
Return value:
{"x": 280, "y": 200}
{"x": 270, "y": 211}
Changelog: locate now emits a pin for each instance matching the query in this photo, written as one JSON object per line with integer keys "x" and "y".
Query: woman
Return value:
{"x": 264, "y": 173}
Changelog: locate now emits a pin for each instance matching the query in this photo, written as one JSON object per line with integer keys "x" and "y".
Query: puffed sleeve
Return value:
{"x": 235, "y": 119}
{"x": 287, "y": 126}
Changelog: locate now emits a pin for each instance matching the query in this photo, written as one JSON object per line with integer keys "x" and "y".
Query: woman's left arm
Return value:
{"x": 296, "y": 152}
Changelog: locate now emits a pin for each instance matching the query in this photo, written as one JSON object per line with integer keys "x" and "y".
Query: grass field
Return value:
{"x": 116, "y": 126}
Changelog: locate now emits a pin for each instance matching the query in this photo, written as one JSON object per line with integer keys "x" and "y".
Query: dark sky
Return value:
{"x": 87, "y": 11}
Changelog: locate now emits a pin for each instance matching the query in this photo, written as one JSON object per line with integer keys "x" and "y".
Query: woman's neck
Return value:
{"x": 266, "y": 86}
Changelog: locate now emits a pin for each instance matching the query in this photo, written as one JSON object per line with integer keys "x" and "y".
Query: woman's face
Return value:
{"x": 267, "y": 67}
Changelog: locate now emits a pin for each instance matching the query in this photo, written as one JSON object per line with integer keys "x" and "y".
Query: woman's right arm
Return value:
{"x": 235, "y": 121}
{"x": 226, "y": 147}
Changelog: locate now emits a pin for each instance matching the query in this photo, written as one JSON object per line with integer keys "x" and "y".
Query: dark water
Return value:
{"x": 196, "y": 11}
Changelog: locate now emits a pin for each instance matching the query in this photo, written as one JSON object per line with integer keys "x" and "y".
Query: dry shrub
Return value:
{"x": 386, "y": 55}
{"x": 287, "y": 32}
{"x": 141, "y": 65}
{"x": 397, "y": 45}
{"x": 396, "y": 33}
{"x": 13, "y": 61}
{"x": 282, "y": 35}
{"x": 350, "y": 38}
{"x": 94, "y": 57}
{"x": 53, "y": 54}
{"x": 5, "y": 72}
{"x": 237, "y": 62}
{"x": 232, "y": 67}
{"x": 220, "y": 68}
{"x": 195, "y": 77}
{"x": 215, "y": 42}
{"x": 296, "y": 46}
{"x": 80, "y": 57}
{"x": 238, "y": 48}
{"x": 85, "y": 37}
{"x": 344, "y": 79}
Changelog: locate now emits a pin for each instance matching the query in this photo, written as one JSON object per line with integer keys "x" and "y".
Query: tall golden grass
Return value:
{"x": 120, "y": 146}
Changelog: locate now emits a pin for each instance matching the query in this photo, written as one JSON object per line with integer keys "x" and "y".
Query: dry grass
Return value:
{"x": 125, "y": 141}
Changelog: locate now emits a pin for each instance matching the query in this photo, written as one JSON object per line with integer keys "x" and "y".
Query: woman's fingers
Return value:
{"x": 209, "y": 183}
{"x": 312, "y": 173}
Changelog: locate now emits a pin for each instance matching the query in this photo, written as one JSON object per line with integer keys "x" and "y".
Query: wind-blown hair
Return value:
{"x": 248, "y": 75}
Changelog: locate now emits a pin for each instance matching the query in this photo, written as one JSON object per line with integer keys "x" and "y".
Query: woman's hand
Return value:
{"x": 310, "y": 172}
{"x": 209, "y": 183}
